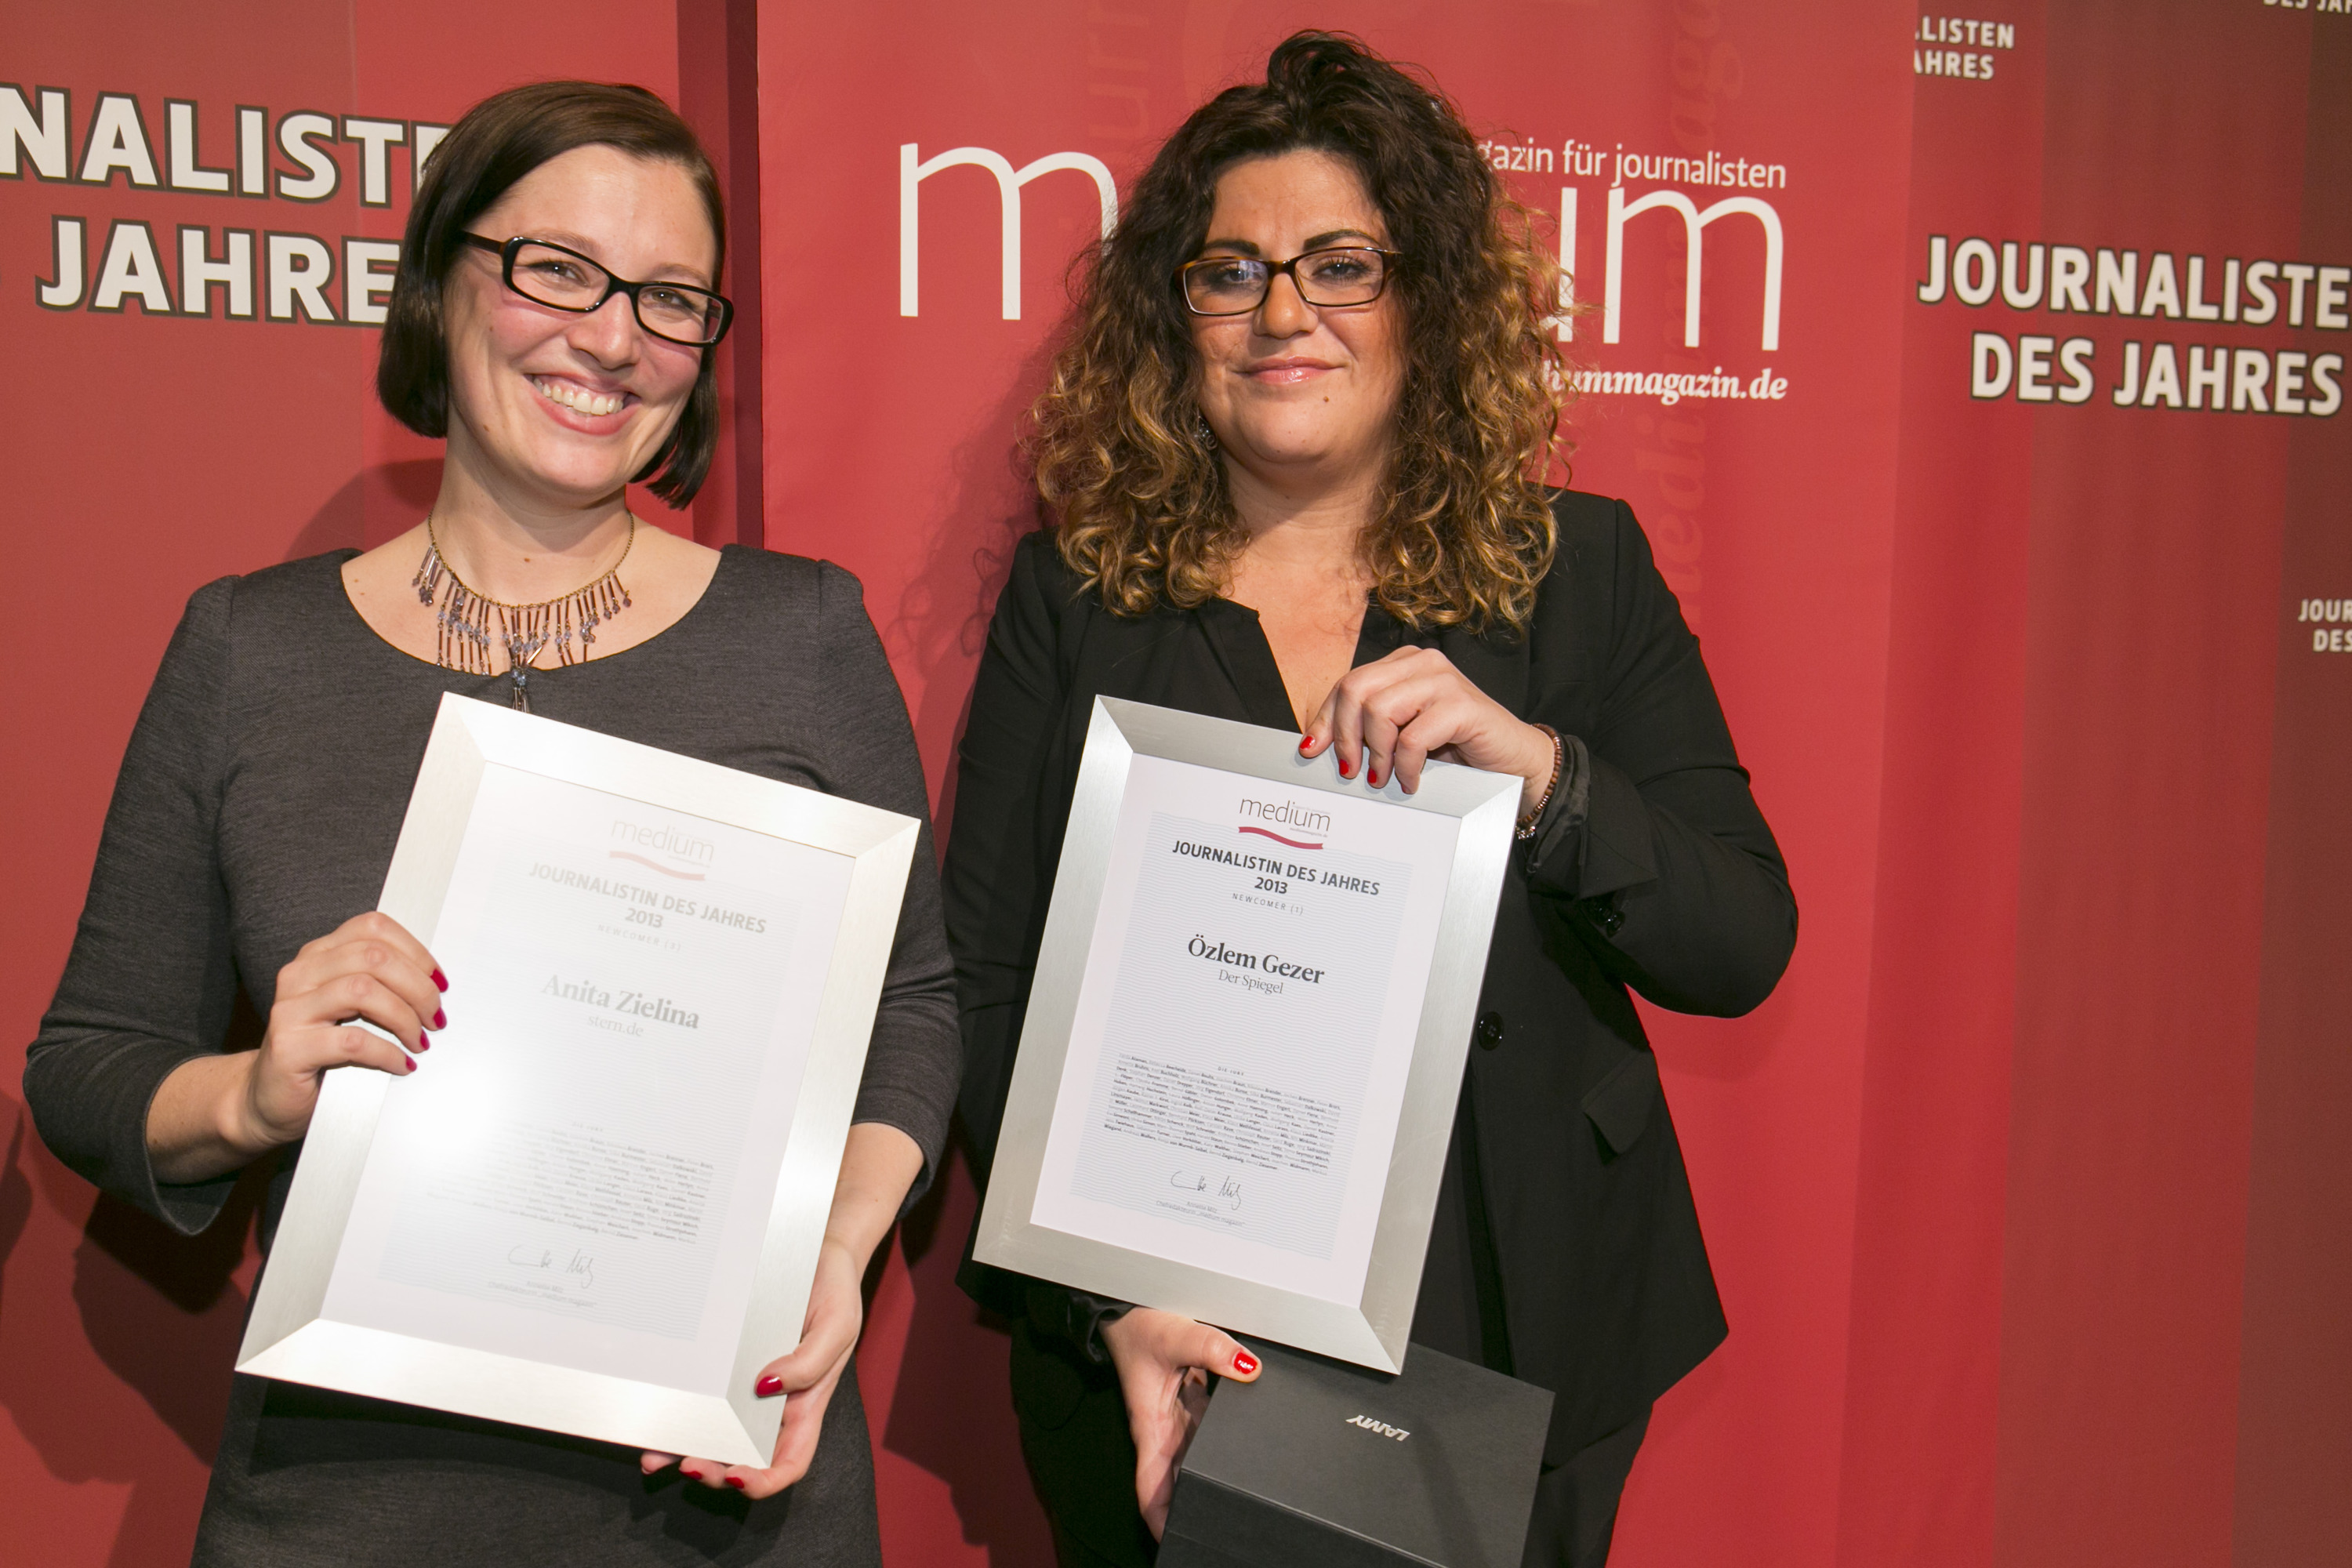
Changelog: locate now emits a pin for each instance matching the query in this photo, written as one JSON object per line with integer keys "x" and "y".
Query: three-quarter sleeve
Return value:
{"x": 1680, "y": 888}
{"x": 150, "y": 983}
{"x": 912, "y": 1063}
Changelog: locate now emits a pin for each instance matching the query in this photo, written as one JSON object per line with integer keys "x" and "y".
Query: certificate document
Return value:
{"x": 651, "y": 964}
{"x": 1253, "y": 986}
{"x": 1247, "y": 1016}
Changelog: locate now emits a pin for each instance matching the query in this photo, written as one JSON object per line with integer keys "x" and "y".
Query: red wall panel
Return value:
{"x": 2295, "y": 1377}
{"x": 2149, "y": 645}
{"x": 1923, "y": 1358}
{"x": 2026, "y": 1192}
{"x": 150, "y": 455}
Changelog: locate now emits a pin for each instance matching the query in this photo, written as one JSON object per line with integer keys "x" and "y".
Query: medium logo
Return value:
{"x": 665, "y": 849}
{"x": 1694, "y": 222}
{"x": 914, "y": 169}
{"x": 1381, "y": 1428}
{"x": 1291, "y": 814}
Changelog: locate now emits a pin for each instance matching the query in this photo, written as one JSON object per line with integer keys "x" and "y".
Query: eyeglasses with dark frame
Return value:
{"x": 562, "y": 279}
{"x": 1336, "y": 275}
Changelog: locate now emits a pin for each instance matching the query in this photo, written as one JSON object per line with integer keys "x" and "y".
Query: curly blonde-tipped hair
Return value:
{"x": 1138, "y": 496}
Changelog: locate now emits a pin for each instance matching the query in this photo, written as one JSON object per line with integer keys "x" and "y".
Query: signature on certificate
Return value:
{"x": 579, "y": 1269}
{"x": 1226, "y": 1190}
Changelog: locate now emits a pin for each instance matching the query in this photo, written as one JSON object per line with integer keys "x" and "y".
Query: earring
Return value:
{"x": 1201, "y": 431}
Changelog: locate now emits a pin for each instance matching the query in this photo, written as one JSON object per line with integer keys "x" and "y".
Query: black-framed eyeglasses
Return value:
{"x": 563, "y": 280}
{"x": 1337, "y": 275}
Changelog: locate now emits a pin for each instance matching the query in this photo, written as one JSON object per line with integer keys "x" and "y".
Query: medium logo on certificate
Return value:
{"x": 560, "y": 1179}
{"x": 1245, "y": 1026}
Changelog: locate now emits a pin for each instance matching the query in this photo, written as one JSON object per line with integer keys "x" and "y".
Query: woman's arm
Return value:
{"x": 216, "y": 1114}
{"x": 149, "y": 984}
{"x": 1673, "y": 879}
{"x": 867, "y": 754}
{"x": 126, "y": 1081}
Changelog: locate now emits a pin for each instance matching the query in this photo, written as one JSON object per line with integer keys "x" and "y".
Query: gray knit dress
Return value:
{"x": 257, "y": 809}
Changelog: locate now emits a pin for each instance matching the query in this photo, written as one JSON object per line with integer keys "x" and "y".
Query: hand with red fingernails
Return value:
{"x": 878, "y": 1167}
{"x": 219, "y": 1112}
{"x": 1391, "y": 716}
{"x": 1163, "y": 1362}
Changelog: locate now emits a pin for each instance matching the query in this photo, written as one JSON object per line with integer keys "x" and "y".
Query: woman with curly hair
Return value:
{"x": 1293, "y": 457}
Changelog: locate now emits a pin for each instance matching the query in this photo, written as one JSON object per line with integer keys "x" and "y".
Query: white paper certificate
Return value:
{"x": 1238, "y": 1070}
{"x": 596, "y": 1205}
{"x": 1251, "y": 997}
{"x": 570, "y": 1174}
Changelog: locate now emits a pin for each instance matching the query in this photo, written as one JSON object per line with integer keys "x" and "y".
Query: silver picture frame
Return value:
{"x": 289, "y": 1335}
{"x": 1370, "y": 1332}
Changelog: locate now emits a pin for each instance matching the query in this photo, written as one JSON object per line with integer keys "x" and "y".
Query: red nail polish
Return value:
{"x": 689, "y": 1475}
{"x": 411, "y": 1068}
{"x": 1306, "y": 744}
{"x": 1244, "y": 1362}
{"x": 735, "y": 1481}
{"x": 421, "y": 1044}
{"x": 769, "y": 1387}
{"x": 1345, "y": 771}
{"x": 440, "y": 980}
{"x": 440, "y": 1017}
{"x": 1372, "y": 777}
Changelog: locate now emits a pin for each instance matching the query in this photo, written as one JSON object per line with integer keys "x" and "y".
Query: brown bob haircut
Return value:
{"x": 499, "y": 140}
{"x": 1138, "y": 497}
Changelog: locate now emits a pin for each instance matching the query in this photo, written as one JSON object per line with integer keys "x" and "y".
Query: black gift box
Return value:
{"x": 1320, "y": 1462}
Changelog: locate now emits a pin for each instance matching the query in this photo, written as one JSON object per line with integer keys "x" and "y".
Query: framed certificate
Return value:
{"x": 1237, "y": 1076}
{"x": 597, "y": 1206}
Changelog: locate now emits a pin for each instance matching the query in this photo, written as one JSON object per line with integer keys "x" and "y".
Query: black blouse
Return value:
{"x": 1567, "y": 1246}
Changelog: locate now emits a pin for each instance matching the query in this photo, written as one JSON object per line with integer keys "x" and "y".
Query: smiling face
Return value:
{"x": 1296, "y": 393}
{"x": 557, "y": 406}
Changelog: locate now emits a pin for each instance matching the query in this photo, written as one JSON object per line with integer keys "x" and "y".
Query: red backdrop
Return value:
{"x": 2021, "y": 1190}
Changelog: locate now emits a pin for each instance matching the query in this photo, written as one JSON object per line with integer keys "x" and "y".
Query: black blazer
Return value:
{"x": 1652, "y": 869}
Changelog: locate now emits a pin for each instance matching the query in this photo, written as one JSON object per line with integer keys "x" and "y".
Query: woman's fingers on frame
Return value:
{"x": 1317, "y": 737}
{"x": 376, "y": 929}
{"x": 1432, "y": 730}
{"x": 1348, "y": 706}
{"x": 1380, "y": 731}
{"x": 1408, "y": 757}
{"x": 695, "y": 1471}
{"x": 805, "y": 1379}
{"x": 334, "y": 972}
{"x": 789, "y": 1374}
{"x": 796, "y": 1445}
{"x": 1343, "y": 721}
{"x": 363, "y": 995}
{"x": 826, "y": 1340}
{"x": 795, "y": 1450}
{"x": 352, "y": 1045}
{"x": 1389, "y": 711}
{"x": 311, "y": 1033}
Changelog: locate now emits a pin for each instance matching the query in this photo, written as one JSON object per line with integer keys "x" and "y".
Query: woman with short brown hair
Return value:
{"x": 553, "y": 318}
{"x": 1293, "y": 457}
